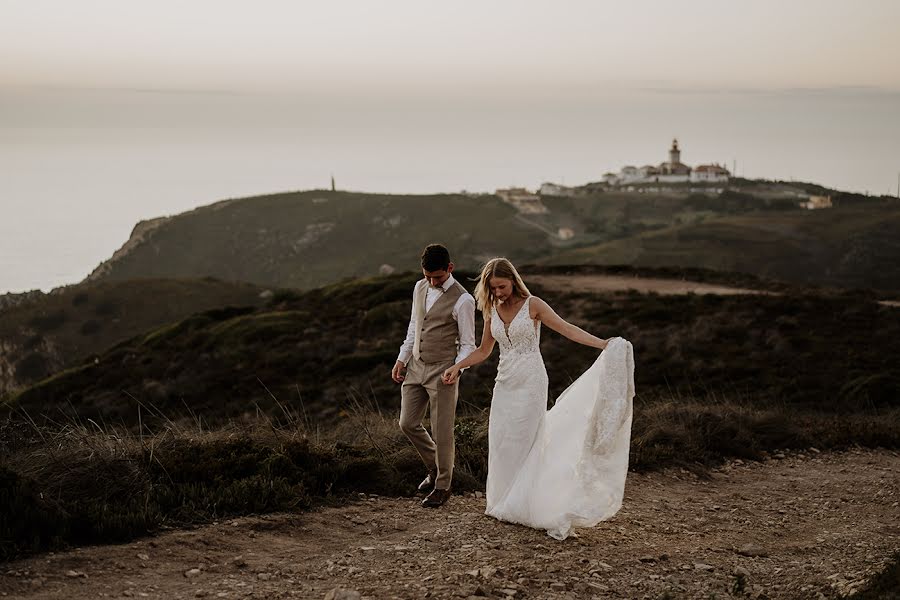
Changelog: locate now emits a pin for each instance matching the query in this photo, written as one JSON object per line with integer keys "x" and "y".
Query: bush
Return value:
{"x": 49, "y": 322}
{"x": 90, "y": 327}
{"x": 32, "y": 367}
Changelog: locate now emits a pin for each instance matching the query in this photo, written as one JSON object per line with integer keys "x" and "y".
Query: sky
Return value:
{"x": 112, "y": 112}
{"x": 397, "y": 46}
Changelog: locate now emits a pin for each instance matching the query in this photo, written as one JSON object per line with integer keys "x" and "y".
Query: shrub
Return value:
{"x": 32, "y": 367}
{"x": 90, "y": 327}
{"x": 49, "y": 322}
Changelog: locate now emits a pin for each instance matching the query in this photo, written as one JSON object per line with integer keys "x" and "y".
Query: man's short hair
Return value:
{"x": 435, "y": 258}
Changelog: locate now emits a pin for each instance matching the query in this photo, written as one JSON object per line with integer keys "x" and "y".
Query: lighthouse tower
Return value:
{"x": 674, "y": 153}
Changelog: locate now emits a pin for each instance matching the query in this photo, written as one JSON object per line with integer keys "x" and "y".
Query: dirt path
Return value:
{"x": 809, "y": 525}
{"x": 610, "y": 283}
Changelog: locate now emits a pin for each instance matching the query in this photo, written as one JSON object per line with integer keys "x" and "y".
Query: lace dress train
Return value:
{"x": 565, "y": 467}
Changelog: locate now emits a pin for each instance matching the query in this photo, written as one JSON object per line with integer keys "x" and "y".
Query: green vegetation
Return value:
{"x": 60, "y": 330}
{"x": 325, "y": 349}
{"x": 223, "y": 413}
{"x": 309, "y": 239}
{"x": 854, "y": 246}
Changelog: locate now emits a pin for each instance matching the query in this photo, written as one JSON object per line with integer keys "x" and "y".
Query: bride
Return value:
{"x": 561, "y": 468}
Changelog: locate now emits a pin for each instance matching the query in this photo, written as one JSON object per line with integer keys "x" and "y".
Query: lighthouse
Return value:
{"x": 674, "y": 153}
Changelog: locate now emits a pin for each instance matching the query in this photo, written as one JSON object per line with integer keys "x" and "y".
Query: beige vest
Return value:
{"x": 437, "y": 333}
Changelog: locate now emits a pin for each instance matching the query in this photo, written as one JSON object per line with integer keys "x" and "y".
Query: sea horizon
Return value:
{"x": 82, "y": 167}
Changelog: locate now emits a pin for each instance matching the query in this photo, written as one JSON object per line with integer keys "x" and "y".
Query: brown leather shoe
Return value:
{"x": 436, "y": 498}
{"x": 428, "y": 482}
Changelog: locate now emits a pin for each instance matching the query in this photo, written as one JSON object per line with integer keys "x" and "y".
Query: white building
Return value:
{"x": 523, "y": 200}
{"x": 710, "y": 173}
{"x": 671, "y": 171}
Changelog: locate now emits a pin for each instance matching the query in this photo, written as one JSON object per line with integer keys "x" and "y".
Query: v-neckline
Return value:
{"x": 506, "y": 325}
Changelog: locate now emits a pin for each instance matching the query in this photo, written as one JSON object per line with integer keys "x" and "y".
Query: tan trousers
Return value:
{"x": 423, "y": 388}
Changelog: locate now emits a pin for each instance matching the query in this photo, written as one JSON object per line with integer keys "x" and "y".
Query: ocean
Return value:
{"x": 78, "y": 168}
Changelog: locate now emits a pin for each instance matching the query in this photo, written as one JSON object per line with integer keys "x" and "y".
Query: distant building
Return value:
{"x": 524, "y": 201}
{"x": 710, "y": 173}
{"x": 815, "y": 202}
{"x": 671, "y": 171}
{"x": 554, "y": 189}
{"x": 565, "y": 233}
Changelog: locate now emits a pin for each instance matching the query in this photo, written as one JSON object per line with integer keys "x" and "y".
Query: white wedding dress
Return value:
{"x": 565, "y": 467}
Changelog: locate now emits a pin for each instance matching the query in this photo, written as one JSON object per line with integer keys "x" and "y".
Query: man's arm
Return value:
{"x": 407, "y": 347}
{"x": 465, "y": 321}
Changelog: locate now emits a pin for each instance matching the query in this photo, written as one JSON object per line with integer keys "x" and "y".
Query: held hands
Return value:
{"x": 450, "y": 375}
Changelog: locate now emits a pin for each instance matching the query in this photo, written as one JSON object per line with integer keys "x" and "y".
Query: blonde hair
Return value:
{"x": 497, "y": 267}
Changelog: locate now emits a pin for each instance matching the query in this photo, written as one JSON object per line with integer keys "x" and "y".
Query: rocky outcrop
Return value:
{"x": 139, "y": 235}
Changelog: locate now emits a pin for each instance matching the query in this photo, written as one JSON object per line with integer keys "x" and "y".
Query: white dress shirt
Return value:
{"x": 463, "y": 313}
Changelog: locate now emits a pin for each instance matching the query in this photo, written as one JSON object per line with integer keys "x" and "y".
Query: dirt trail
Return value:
{"x": 805, "y": 525}
{"x": 644, "y": 285}
{"x": 610, "y": 283}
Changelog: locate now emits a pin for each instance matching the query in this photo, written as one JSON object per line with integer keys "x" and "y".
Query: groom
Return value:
{"x": 441, "y": 332}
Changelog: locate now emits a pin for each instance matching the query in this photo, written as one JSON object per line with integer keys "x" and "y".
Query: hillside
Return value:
{"x": 50, "y": 332}
{"x": 848, "y": 247}
{"x": 309, "y": 239}
{"x": 326, "y": 351}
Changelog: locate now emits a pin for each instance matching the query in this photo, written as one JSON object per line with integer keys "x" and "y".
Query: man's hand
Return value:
{"x": 397, "y": 373}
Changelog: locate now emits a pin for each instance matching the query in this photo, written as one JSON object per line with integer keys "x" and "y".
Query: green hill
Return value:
{"x": 54, "y": 331}
{"x": 326, "y": 351}
{"x": 853, "y": 246}
{"x": 308, "y": 239}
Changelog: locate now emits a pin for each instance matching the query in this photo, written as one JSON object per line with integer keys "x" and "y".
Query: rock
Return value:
{"x": 752, "y": 550}
{"x": 266, "y": 294}
{"x": 663, "y": 556}
{"x": 386, "y": 269}
{"x": 814, "y": 450}
{"x": 509, "y": 592}
{"x": 480, "y": 592}
{"x": 487, "y": 572}
{"x": 778, "y": 455}
{"x": 473, "y": 572}
{"x": 263, "y": 576}
{"x": 479, "y": 495}
{"x": 367, "y": 548}
{"x": 647, "y": 559}
{"x": 143, "y": 556}
{"x": 342, "y": 594}
{"x": 200, "y": 593}
{"x": 72, "y": 573}
{"x": 703, "y": 567}
{"x": 192, "y": 572}
{"x": 741, "y": 572}
{"x": 238, "y": 561}
{"x": 558, "y": 586}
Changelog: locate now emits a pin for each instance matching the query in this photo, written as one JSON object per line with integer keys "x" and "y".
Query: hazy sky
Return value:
{"x": 396, "y": 45}
{"x": 114, "y": 111}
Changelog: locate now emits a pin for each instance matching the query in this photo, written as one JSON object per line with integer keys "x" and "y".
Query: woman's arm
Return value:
{"x": 541, "y": 310}
{"x": 478, "y": 355}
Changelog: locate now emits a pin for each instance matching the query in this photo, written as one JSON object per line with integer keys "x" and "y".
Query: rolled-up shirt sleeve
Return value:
{"x": 464, "y": 313}
{"x": 407, "y": 347}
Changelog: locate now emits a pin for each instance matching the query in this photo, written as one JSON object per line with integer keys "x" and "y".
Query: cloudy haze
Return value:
{"x": 116, "y": 111}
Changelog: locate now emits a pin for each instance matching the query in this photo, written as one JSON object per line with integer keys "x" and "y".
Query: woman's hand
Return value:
{"x": 450, "y": 375}
{"x": 603, "y": 344}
